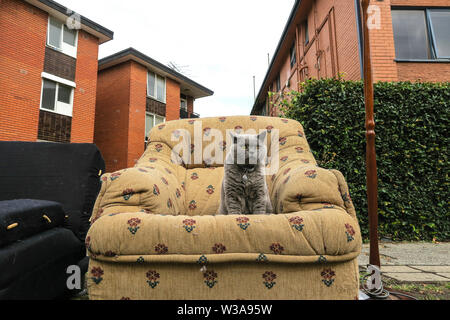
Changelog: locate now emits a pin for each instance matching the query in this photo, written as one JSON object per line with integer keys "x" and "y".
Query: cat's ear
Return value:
{"x": 262, "y": 136}
{"x": 233, "y": 137}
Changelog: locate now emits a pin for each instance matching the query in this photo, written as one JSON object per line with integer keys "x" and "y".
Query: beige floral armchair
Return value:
{"x": 155, "y": 233}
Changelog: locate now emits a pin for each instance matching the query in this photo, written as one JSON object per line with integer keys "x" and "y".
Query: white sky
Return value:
{"x": 219, "y": 44}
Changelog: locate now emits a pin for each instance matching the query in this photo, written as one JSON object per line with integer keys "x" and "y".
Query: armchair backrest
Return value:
{"x": 200, "y": 173}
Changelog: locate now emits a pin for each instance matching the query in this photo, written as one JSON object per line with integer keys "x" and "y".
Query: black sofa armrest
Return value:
{"x": 66, "y": 173}
{"x": 23, "y": 218}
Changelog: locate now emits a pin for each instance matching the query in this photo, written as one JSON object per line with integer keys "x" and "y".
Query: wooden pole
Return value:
{"x": 371, "y": 161}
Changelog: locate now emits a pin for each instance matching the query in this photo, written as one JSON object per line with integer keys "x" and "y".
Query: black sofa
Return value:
{"x": 47, "y": 192}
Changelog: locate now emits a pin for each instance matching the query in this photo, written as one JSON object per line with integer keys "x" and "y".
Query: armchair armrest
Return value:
{"x": 308, "y": 188}
{"x": 23, "y": 218}
{"x": 153, "y": 188}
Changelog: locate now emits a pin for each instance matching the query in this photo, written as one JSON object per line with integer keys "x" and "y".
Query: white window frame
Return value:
{"x": 156, "y": 86}
{"x": 65, "y": 48}
{"x": 59, "y": 106}
{"x": 154, "y": 117}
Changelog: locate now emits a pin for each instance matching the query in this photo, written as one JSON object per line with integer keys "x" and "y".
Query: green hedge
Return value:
{"x": 412, "y": 138}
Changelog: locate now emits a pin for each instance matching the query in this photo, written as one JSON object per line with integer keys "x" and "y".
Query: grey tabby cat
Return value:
{"x": 244, "y": 188}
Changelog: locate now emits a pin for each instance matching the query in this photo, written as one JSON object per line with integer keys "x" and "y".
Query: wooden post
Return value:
{"x": 371, "y": 161}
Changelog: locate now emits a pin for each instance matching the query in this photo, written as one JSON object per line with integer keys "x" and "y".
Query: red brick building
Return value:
{"x": 135, "y": 93}
{"x": 410, "y": 40}
{"x": 48, "y": 72}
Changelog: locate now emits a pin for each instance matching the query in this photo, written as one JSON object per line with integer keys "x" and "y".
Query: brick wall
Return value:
{"x": 433, "y": 72}
{"x": 346, "y": 41}
{"x": 59, "y": 64}
{"x": 190, "y": 104}
{"x": 54, "y": 127}
{"x": 336, "y": 44}
{"x": 23, "y": 32}
{"x": 382, "y": 46}
{"x": 172, "y": 100}
{"x": 83, "y": 118}
{"x": 136, "y": 122}
{"x": 111, "y": 115}
{"x": 120, "y": 113}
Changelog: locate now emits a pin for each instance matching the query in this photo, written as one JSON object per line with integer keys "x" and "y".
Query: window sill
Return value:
{"x": 153, "y": 98}
{"x": 422, "y": 60}
{"x": 55, "y": 112}
{"x": 62, "y": 51}
{"x": 57, "y": 79}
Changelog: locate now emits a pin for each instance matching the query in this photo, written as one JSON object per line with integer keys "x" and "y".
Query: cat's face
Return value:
{"x": 249, "y": 149}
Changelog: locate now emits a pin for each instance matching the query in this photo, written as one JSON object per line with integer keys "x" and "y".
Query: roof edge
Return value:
{"x": 133, "y": 52}
{"x": 277, "y": 50}
{"x": 92, "y": 27}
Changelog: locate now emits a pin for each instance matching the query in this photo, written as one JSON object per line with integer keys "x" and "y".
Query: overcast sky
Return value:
{"x": 219, "y": 44}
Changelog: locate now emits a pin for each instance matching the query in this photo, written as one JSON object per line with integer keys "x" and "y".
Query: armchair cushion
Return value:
{"x": 307, "y": 236}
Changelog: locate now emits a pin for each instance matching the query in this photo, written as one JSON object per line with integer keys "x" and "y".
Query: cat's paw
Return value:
{"x": 260, "y": 212}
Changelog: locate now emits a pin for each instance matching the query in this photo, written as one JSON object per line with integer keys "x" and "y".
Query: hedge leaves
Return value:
{"x": 412, "y": 138}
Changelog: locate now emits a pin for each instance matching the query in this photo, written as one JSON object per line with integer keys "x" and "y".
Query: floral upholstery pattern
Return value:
{"x": 160, "y": 217}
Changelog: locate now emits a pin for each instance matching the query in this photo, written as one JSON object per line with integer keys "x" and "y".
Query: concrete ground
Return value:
{"x": 412, "y": 261}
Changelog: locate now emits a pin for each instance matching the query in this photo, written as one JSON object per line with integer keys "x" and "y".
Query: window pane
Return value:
{"x": 293, "y": 55}
{"x": 48, "y": 95}
{"x": 69, "y": 36}
{"x": 440, "y": 23}
{"x": 148, "y": 123}
{"x": 54, "y": 33}
{"x": 64, "y": 93}
{"x": 151, "y": 84}
{"x": 161, "y": 89}
{"x": 306, "y": 33}
{"x": 158, "y": 120}
{"x": 410, "y": 34}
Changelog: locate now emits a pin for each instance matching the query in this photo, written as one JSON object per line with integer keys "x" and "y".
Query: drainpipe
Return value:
{"x": 360, "y": 36}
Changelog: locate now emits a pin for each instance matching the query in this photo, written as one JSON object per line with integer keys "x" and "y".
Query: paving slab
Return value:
{"x": 415, "y": 277}
{"x": 436, "y": 269}
{"x": 409, "y": 253}
{"x": 385, "y": 269}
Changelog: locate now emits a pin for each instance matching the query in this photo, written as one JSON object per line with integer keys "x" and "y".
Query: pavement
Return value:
{"x": 412, "y": 261}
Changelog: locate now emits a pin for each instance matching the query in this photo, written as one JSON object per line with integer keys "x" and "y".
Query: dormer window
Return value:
{"x": 62, "y": 38}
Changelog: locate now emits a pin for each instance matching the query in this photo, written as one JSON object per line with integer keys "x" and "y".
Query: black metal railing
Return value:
{"x": 186, "y": 115}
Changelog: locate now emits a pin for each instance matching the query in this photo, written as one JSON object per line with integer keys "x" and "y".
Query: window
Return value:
{"x": 60, "y": 37}
{"x": 57, "y": 97}
{"x": 156, "y": 87}
{"x": 421, "y": 34}
{"x": 440, "y": 26}
{"x": 306, "y": 33}
{"x": 293, "y": 54}
{"x": 151, "y": 120}
{"x": 183, "y": 104}
{"x": 278, "y": 83}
